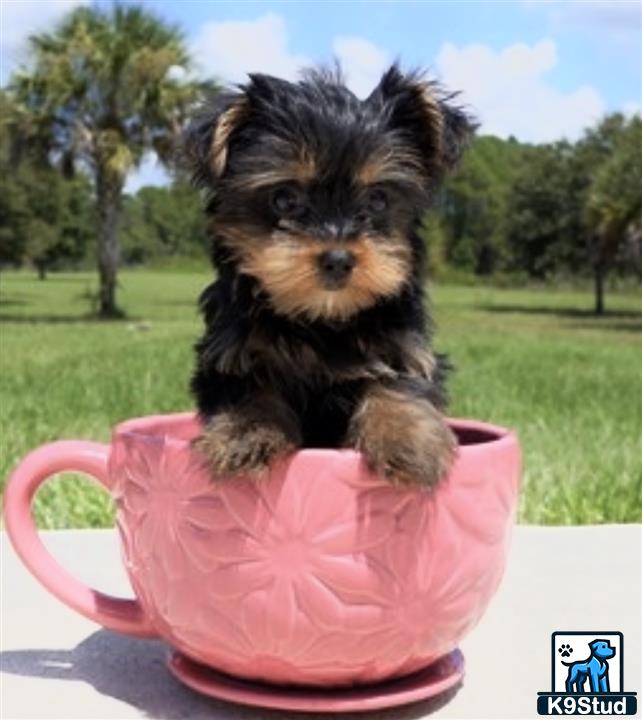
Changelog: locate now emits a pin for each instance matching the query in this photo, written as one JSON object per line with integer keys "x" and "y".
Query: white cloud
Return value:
{"x": 229, "y": 50}
{"x": 22, "y": 18}
{"x": 509, "y": 92}
{"x": 631, "y": 108}
{"x": 507, "y": 89}
{"x": 362, "y": 61}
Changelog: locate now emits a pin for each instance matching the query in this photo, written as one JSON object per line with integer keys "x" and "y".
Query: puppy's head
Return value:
{"x": 315, "y": 192}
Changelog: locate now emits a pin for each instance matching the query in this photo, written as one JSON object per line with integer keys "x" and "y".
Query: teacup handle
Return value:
{"x": 89, "y": 458}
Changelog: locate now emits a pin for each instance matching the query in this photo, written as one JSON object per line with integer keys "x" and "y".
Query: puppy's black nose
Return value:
{"x": 336, "y": 265}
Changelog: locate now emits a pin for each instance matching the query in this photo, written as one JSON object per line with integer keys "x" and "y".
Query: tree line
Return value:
{"x": 544, "y": 211}
{"x": 108, "y": 85}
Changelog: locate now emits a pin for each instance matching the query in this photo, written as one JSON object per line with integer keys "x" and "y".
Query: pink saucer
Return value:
{"x": 429, "y": 682}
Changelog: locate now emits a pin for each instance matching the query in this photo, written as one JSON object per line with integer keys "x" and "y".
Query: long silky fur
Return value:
{"x": 407, "y": 134}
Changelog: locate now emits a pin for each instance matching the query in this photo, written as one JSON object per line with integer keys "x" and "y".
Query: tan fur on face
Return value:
{"x": 287, "y": 267}
{"x": 391, "y": 164}
{"x": 300, "y": 170}
{"x": 226, "y": 124}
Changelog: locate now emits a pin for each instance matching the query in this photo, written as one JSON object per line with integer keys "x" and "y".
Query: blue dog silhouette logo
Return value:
{"x": 595, "y": 669}
{"x": 587, "y": 675}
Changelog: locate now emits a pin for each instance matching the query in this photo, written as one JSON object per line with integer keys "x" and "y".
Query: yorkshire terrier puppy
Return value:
{"x": 316, "y": 329}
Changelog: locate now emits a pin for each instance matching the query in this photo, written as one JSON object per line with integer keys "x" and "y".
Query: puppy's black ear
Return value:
{"x": 208, "y": 137}
{"x": 458, "y": 130}
{"x": 418, "y": 108}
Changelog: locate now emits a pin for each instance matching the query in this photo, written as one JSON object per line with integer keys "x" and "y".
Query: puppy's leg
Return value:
{"x": 402, "y": 435}
{"x": 243, "y": 439}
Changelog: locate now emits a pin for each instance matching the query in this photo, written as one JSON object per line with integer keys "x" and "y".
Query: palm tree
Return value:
{"x": 103, "y": 88}
{"x": 614, "y": 205}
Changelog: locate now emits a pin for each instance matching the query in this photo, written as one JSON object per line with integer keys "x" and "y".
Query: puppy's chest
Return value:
{"x": 330, "y": 358}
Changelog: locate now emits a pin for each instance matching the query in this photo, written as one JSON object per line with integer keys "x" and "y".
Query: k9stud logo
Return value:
{"x": 587, "y": 676}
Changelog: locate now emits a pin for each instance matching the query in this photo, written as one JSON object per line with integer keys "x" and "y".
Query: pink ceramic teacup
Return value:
{"x": 320, "y": 574}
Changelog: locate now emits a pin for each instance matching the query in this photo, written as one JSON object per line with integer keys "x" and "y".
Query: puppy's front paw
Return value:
{"x": 403, "y": 438}
{"x": 234, "y": 445}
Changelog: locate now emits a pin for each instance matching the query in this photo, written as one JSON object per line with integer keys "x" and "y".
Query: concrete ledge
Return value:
{"x": 55, "y": 664}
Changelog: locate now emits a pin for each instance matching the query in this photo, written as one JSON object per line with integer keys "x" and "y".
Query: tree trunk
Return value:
{"x": 599, "y": 289}
{"x": 109, "y": 198}
{"x": 42, "y": 270}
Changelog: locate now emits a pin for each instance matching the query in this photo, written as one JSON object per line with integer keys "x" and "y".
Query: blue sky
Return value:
{"x": 598, "y": 43}
{"x": 537, "y": 69}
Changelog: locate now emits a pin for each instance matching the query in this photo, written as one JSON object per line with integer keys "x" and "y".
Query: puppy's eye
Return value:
{"x": 287, "y": 202}
{"x": 377, "y": 201}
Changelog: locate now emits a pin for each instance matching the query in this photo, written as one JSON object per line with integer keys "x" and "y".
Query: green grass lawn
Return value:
{"x": 537, "y": 361}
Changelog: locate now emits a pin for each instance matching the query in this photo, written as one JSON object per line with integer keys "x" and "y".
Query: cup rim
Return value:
{"x": 141, "y": 427}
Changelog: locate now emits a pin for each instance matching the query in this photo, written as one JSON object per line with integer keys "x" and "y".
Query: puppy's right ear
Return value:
{"x": 421, "y": 109}
{"x": 208, "y": 137}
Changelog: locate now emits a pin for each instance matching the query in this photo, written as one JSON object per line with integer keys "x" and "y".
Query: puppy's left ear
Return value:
{"x": 419, "y": 108}
{"x": 207, "y": 139}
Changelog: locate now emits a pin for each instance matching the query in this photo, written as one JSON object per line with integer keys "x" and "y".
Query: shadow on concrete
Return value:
{"x": 134, "y": 671}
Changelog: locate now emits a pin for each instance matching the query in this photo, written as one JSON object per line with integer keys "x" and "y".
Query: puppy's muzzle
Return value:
{"x": 336, "y": 267}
